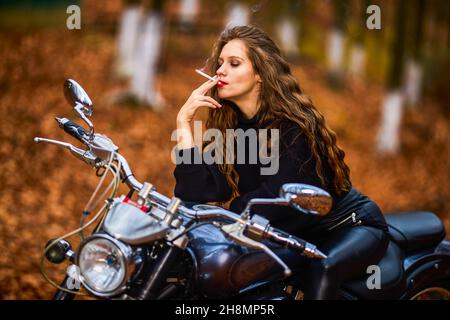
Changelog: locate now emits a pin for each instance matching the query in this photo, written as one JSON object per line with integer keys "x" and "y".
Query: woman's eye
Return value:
{"x": 233, "y": 64}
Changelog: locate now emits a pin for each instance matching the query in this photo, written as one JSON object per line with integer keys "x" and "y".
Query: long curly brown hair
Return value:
{"x": 281, "y": 99}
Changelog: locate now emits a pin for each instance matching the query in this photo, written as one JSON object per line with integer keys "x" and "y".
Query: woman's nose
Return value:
{"x": 220, "y": 71}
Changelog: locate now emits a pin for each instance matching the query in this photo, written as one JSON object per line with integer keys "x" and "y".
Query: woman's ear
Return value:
{"x": 258, "y": 79}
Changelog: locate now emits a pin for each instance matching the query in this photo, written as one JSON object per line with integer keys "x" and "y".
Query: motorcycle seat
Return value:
{"x": 414, "y": 231}
{"x": 392, "y": 279}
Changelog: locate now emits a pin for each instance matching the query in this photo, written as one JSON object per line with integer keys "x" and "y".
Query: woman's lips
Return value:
{"x": 221, "y": 83}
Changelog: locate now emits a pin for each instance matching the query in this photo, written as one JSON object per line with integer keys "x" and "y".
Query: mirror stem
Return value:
{"x": 78, "y": 108}
{"x": 246, "y": 213}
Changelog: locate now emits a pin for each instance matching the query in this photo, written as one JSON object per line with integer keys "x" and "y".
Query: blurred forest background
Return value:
{"x": 385, "y": 92}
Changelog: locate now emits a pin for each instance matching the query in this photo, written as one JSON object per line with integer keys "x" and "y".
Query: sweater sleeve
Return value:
{"x": 197, "y": 181}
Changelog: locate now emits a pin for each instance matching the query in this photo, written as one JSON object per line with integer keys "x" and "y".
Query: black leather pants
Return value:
{"x": 349, "y": 252}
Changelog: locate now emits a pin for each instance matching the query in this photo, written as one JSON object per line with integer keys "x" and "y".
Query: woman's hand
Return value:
{"x": 197, "y": 99}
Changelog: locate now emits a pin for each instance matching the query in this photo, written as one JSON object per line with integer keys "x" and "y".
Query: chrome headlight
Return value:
{"x": 105, "y": 264}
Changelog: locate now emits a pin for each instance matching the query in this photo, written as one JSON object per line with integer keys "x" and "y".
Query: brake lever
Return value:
{"x": 81, "y": 154}
{"x": 236, "y": 232}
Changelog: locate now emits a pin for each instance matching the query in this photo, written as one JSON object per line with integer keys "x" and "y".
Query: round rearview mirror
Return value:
{"x": 75, "y": 95}
{"x": 306, "y": 198}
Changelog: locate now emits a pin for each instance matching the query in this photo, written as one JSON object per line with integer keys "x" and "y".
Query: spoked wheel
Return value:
{"x": 433, "y": 293}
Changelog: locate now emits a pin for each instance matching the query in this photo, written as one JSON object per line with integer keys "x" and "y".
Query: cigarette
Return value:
{"x": 200, "y": 72}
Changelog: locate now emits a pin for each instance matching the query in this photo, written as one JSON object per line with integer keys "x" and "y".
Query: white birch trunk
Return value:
{"x": 357, "y": 60}
{"x": 128, "y": 37}
{"x": 388, "y": 135}
{"x": 188, "y": 11}
{"x": 336, "y": 51}
{"x": 143, "y": 84}
{"x": 413, "y": 83}
{"x": 238, "y": 15}
{"x": 288, "y": 34}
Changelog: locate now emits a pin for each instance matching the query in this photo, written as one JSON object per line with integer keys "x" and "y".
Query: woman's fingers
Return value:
{"x": 203, "y": 89}
{"x": 205, "y": 101}
{"x": 211, "y": 100}
{"x": 208, "y": 104}
{"x": 198, "y": 99}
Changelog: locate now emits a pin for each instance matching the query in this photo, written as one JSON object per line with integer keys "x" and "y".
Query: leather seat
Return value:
{"x": 392, "y": 279}
{"x": 414, "y": 231}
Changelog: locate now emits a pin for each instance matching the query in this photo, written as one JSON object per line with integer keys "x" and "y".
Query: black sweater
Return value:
{"x": 205, "y": 183}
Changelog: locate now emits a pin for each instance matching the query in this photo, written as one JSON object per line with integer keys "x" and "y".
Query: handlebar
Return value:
{"x": 249, "y": 232}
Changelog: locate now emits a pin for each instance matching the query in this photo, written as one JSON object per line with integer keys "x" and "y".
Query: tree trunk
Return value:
{"x": 388, "y": 136}
{"x": 288, "y": 29}
{"x": 188, "y": 13}
{"x": 143, "y": 84}
{"x": 128, "y": 37}
{"x": 336, "y": 42}
{"x": 238, "y": 15}
{"x": 358, "y": 53}
{"x": 414, "y": 67}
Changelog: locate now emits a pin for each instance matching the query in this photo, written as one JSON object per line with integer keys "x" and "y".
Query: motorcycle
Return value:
{"x": 155, "y": 247}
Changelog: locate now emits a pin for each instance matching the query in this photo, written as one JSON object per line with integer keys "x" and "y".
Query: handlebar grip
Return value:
{"x": 75, "y": 130}
{"x": 292, "y": 242}
{"x": 287, "y": 240}
{"x": 296, "y": 244}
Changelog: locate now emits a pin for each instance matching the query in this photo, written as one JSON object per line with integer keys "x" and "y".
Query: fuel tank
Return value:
{"x": 223, "y": 267}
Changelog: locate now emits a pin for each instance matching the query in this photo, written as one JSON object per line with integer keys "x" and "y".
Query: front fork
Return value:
{"x": 151, "y": 288}
{"x": 63, "y": 295}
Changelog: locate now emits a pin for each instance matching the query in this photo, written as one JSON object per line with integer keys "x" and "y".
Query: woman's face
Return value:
{"x": 238, "y": 78}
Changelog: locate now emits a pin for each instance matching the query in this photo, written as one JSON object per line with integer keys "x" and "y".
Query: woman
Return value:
{"x": 254, "y": 89}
